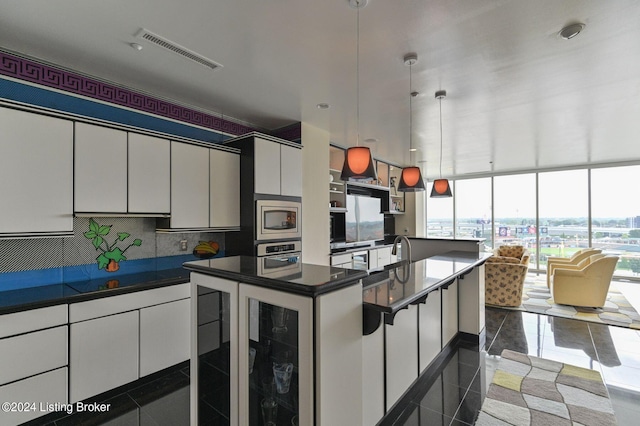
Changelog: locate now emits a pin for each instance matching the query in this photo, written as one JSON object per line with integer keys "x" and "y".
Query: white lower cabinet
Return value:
{"x": 42, "y": 389}
{"x": 104, "y": 354}
{"x": 33, "y": 361}
{"x": 383, "y": 256}
{"x": 402, "y": 353}
{"x": 430, "y": 325}
{"x": 449, "y": 313}
{"x": 344, "y": 260}
{"x": 23, "y": 356}
{"x": 116, "y": 340}
{"x": 164, "y": 336}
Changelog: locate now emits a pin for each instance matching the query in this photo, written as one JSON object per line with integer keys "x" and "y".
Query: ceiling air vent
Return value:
{"x": 176, "y": 48}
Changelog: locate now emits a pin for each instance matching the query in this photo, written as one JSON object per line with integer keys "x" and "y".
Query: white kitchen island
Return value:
{"x": 355, "y": 342}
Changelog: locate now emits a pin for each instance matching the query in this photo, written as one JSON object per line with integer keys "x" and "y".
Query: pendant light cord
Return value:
{"x": 358, "y": 73}
{"x": 410, "y": 116}
{"x": 440, "y": 138}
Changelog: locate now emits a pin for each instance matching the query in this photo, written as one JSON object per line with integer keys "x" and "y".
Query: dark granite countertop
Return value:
{"x": 403, "y": 283}
{"x": 77, "y": 291}
{"x": 298, "y": 278}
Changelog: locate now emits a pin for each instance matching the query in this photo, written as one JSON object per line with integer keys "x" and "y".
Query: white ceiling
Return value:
{"x": 519, "y": 96}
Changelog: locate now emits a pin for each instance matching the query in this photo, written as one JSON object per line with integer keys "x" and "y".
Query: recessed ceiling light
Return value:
{"x": 570, "y": 31}
{"x": 323, "y": 106}
{"x": 413, "y": 149}
{"x": 371, "y": 140}
{"x": 357, "y": 4}
{"x": 135, "y": 46}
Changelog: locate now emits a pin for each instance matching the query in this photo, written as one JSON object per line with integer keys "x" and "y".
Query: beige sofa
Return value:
{"x": 586, "y": 286}
{"x": 577, "y": 257}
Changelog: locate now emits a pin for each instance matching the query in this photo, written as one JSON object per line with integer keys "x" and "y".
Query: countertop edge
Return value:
{"x": 282, "y": 285}
{"x": 83, "y": 297}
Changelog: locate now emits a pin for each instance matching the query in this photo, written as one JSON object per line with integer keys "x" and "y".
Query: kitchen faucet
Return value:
{"x": 399, "y": 238}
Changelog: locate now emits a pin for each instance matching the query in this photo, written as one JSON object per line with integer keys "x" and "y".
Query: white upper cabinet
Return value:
{"x": 36, "y": 171}
{"x": 121, "y": 172}
{"x": 189, "y": 186}
{"x": 278, "y": 168}
{"x": 290, "y": 171}
{"x": 267, "y": 167}
{"x": 100, "y": 169}
{"x": 224, "y": 185}
{"x": 149, "y": 174}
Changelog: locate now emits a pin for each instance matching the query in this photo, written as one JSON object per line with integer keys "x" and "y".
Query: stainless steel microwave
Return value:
{"x": 277, "y": 219}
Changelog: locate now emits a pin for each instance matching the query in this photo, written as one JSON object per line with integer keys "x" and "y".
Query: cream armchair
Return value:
{"x": 587, "y": 286}
{"x": 577, "y": 257}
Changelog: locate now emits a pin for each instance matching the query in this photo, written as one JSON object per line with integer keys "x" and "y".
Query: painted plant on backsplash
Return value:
{"x": 111, "y": 255}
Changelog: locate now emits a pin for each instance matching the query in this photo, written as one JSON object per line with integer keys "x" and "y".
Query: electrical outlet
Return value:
{"x": 183, "y": 245}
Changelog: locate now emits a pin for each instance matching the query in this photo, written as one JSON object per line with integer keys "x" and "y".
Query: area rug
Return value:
{"x": 531, "y": 391}
{"x": 537, "y": 298}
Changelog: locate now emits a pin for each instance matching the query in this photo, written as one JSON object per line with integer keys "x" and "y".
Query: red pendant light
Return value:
{"x": 358, "y": 163}
{"x": 411, "y": 180}
{"x": 441, "y": 187}
{"x": 411, "y": 177}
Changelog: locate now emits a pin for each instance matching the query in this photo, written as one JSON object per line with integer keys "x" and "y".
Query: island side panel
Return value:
{"x": 471, "y": 301}
{"x": 339, "y": 357}
{"x": 373, "y": 408}
{"x": 401, "y": 348}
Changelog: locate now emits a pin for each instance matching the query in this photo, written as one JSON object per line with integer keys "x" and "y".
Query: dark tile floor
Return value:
{"x": 456, "y": 395}
{"x": 452, "y": 397}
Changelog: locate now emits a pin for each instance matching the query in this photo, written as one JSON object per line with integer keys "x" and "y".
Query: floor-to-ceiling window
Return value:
{"x": 473, "y": 209}
{"x": 514, "y": 211}
{"x": 563, "y": 209}
{"x": 551, "y": 213}
{"x": 439, "y": 215}
{"x": 615, "y": 215}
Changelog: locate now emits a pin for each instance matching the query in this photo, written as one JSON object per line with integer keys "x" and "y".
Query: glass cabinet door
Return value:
{"x": 275, "y": 358}
{"x": 215, "y": 381}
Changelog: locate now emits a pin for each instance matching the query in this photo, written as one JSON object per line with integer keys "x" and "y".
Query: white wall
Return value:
{"x": 315, "y": 195}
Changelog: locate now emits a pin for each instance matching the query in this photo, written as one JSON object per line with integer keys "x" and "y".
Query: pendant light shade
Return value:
{"x": 411, "y": 180}
{"x": 441, "y": 187}
{"x": 358, "y": 164}
{"x": 411, "y": 177}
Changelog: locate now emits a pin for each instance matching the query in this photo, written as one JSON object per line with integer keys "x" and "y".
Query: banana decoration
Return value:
{"x": 206, "y": 249}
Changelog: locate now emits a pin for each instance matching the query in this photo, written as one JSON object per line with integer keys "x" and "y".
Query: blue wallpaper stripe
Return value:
{"x": 70, "y": 274}
{"x": 37, "y": 96}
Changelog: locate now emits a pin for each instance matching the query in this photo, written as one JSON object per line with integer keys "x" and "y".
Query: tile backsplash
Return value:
{"x": 42, "y": 261}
